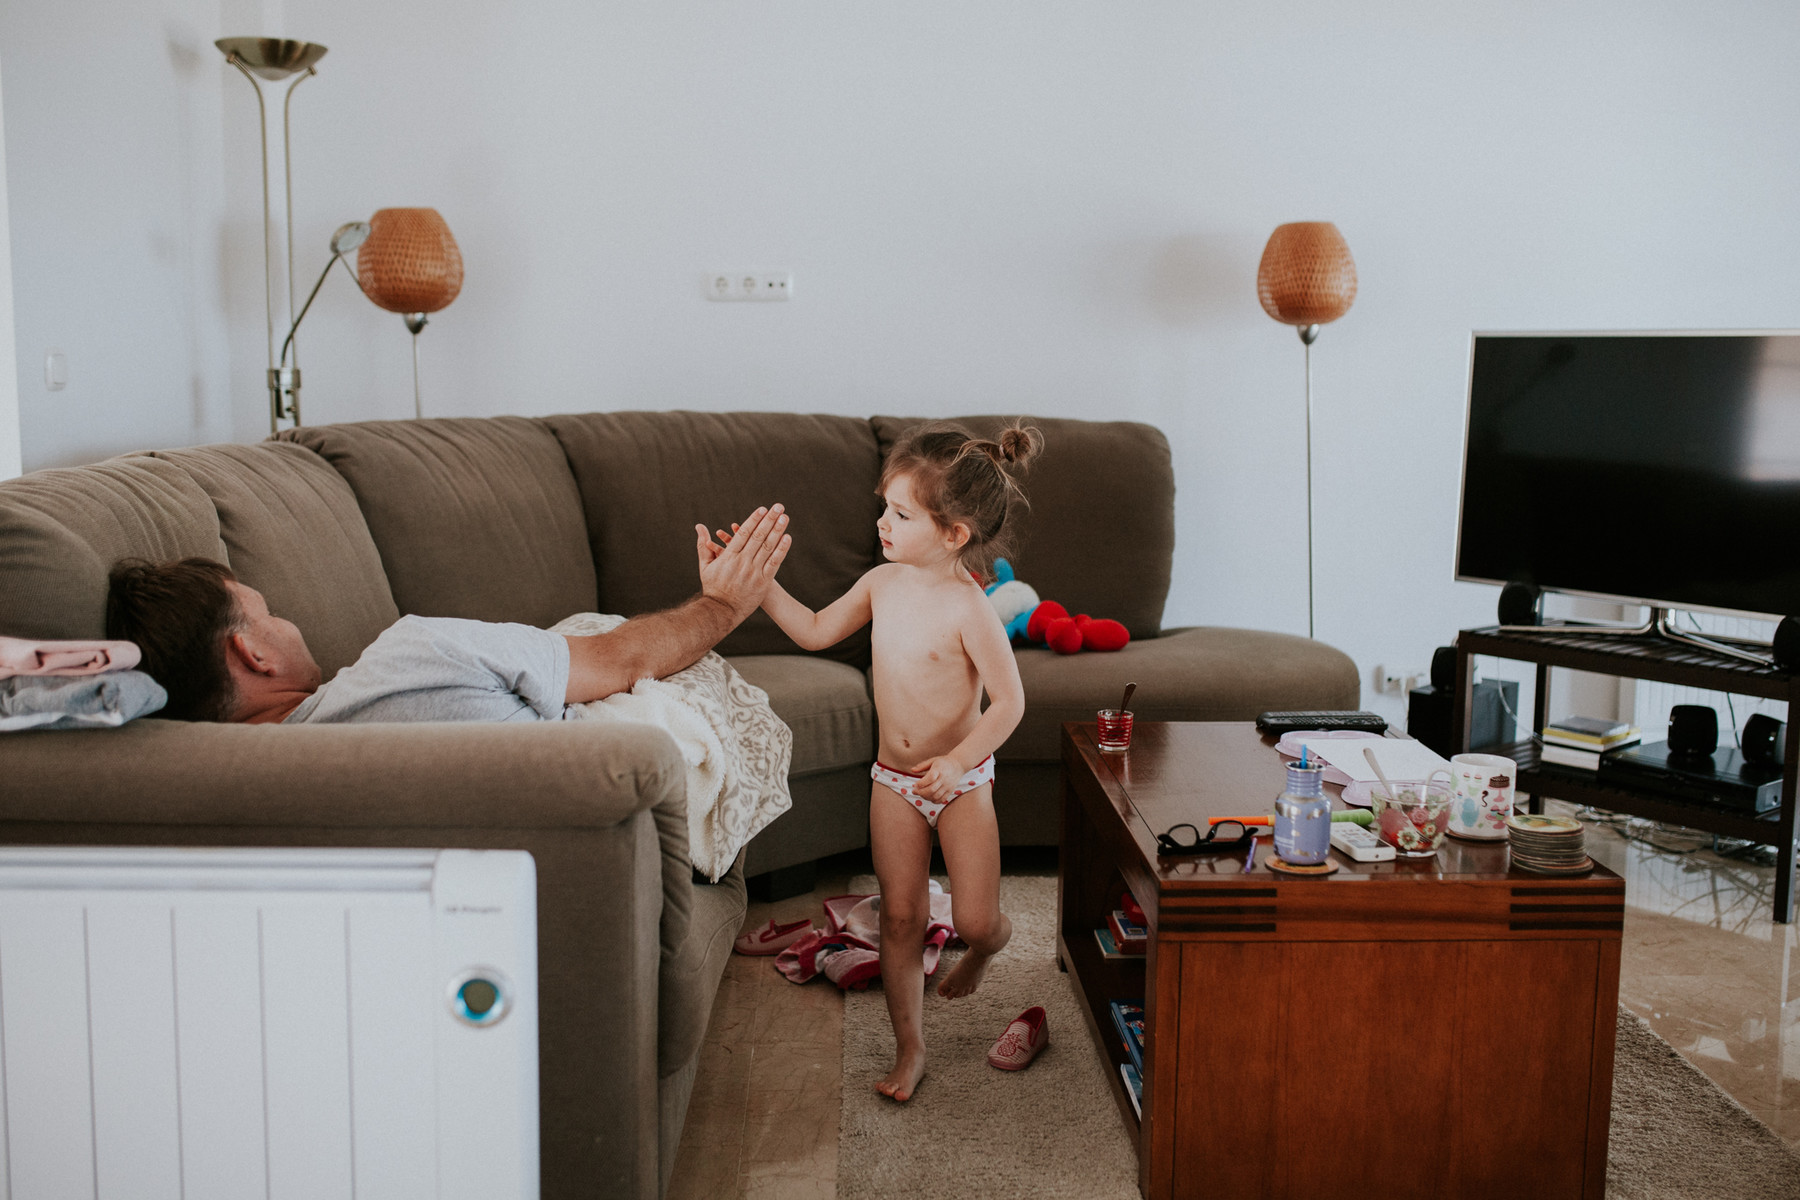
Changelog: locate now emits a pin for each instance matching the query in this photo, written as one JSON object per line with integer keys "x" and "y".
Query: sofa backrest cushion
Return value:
{"x": 648, "y": 478}
{"x": 62, "y": 530}
{"x": 476, "y": 518}
{"x": 1099, "y": 537}
{"x": 294, "y": 533}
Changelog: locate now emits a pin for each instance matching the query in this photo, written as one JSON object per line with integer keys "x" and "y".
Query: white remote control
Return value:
{"x": 1359, "y": 843}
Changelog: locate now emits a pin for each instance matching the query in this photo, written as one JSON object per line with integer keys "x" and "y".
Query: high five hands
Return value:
{"x": 738, "y": 572}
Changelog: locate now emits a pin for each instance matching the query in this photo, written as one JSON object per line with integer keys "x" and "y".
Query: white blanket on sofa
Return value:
{"x": 736, "y": 749}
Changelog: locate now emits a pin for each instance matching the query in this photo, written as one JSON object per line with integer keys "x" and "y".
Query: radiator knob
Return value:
{"x": 480, "y": 997}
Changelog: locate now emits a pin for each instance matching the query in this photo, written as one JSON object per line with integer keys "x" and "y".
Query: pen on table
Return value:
{"x": 1250, "y": 857}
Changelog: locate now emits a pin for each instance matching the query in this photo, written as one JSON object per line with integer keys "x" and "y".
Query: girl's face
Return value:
{"x": 908, "y": 533}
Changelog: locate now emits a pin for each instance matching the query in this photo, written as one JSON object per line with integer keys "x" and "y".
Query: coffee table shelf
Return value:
{"x": 1279, "y": 1010}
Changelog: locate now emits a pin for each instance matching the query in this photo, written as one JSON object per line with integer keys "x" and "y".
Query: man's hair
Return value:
{"x": 179, "y": 614}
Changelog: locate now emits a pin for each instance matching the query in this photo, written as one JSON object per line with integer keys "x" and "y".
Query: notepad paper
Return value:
{"x": 1400, "y": 758}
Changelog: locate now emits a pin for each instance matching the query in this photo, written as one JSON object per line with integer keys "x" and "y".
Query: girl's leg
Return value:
{"x": 970, "y": 838}
{"x": 900, "y": 842}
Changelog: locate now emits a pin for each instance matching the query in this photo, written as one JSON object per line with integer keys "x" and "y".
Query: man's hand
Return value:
{"x": 738, "y": 574}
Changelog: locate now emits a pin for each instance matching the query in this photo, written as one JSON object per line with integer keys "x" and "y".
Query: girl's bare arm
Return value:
{"x": 827, "y": 627}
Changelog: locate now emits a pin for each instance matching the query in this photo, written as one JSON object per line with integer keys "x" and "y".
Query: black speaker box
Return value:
{"x": 1443, "y": 668}
{"x": 1787, "y": 644}
{"x": 1428, "y": 715}
{"x": 1521, "y": 604}
{"x": 1764, "y": 740}
{"x": 1693, "y": 730}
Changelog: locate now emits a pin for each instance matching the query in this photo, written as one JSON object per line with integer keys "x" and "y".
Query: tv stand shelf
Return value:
{"x": 1634, "y": 656}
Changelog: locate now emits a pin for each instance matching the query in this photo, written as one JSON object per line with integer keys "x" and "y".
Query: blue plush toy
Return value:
{"x": 1013, "y": 600}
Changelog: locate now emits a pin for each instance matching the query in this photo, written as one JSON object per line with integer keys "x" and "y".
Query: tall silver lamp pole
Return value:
{"x": 275, "y": 59}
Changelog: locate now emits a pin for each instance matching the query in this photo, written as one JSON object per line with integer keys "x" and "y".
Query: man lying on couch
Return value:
{"x": 222, "y": 655}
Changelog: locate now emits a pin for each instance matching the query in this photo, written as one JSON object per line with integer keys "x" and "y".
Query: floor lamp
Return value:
{"x": 1307, "y": 279}
{"x": 411, "y": 265}
{"x": 275, "y": 59}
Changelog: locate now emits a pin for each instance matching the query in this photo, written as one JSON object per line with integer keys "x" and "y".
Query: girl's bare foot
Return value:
{"x": 903, "y": 1080}
{"x": 966, "y": 976}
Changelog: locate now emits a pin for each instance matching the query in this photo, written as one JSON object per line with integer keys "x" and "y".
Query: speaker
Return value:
{"x": 1693, "y": 730}
{"x": 1764, "y": 740}
{"x": 1490, "y": 721}
{"x": 1787, "y": 644}
{"x": 1521, "y": 604}
{"x": 1443, "y": 668}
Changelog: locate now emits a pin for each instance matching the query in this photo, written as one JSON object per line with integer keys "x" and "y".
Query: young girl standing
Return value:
{"x": 937, "y": 643}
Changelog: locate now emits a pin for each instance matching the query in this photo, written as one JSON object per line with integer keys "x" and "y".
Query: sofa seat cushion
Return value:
{"x": 689, "y": 979}
{"x": 474, "y": 518}
{"x": 62, "y": 530}
{"x": 825, "y": 703}
{"x": 648, "y": 478}
{"x": 292, "y": 531}
{"x": 1200, "y": 674}
{"x": 1099, "y": 534}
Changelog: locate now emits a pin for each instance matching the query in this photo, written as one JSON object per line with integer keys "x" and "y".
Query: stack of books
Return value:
{"x": 1128, "y": 937}
{"x": 1579, "y": 742}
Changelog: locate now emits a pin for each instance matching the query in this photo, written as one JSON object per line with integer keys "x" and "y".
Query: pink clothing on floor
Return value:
{"x": 848, "y": 950}
{"x": 19, "y": 656}
{"x": 903, "y": 782}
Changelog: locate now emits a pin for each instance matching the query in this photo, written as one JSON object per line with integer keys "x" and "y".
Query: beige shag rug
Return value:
{"x": 1054, "y": 1130}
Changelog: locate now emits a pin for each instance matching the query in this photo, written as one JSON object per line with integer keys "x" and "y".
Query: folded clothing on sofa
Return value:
{"x": 20, "y": 656}
{"x": 736, "y": 749}
{"x": 86, "y": 702}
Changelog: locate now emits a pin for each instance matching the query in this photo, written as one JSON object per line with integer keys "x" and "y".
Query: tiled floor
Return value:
{"x": 1702, "y": 961}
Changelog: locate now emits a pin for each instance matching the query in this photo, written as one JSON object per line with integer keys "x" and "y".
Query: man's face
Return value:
{"x": 276, "y": 639}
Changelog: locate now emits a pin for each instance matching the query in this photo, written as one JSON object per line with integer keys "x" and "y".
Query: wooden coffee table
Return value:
{"x": 1435, "y": 1027}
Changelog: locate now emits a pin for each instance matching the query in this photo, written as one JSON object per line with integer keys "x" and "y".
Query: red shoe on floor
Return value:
{"x": 772, "y": 938}
{"x": 1028, "y": 1033}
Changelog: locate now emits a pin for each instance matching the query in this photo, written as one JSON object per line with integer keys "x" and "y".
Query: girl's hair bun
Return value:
{"x": 1020, "y": 443}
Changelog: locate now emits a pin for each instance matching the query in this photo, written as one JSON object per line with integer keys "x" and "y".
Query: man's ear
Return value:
{"x": 242, "y": 652}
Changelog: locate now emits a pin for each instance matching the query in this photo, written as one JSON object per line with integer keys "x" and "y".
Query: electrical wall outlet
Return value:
{"x": 750, "y": 285}
{"x": 1399, "y": 679}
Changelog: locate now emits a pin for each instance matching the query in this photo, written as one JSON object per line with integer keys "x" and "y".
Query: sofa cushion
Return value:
{"x": 294, "y": 533}
{"x": 62, "y": 530}
{"x": 1100, "y": 532}
{"x": 648, "y": 478}
{"x": 474, "y": 518}
{"x": 1202, "y": 674}
{"x": 826, "y": 704}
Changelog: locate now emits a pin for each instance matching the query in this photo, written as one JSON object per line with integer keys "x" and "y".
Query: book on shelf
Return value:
{"x": 1110, "y": 948}
{"x": 1127, "y": 935}
{"x": 1590, "y": 733}
{"x": 1128, "y": 1018}
{"x": 1563, "y": 756}
{"x": 1134, "y": 1087}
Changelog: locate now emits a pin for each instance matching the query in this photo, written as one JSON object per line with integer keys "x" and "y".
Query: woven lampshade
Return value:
{"x": 410, "y": 263}
{"x": 1307, "y": 276}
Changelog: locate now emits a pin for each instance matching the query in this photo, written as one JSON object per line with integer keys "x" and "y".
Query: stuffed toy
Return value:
{"x": 1032, "y": 620}
{"x": 1012, "y": 599}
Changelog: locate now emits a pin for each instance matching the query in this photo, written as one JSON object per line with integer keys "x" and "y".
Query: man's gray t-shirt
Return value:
{"x": 448, "y": 669}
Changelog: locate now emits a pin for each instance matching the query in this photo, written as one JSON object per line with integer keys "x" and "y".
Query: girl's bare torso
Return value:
{"x": 927, "y": 690}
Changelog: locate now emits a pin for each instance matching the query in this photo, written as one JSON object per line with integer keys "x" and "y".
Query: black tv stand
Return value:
{"x": 1661, "y": 626}
{"x": 1638, "y": 654}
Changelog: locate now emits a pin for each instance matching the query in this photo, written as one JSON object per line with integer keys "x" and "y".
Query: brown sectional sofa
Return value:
{"x": 347, "y": 527}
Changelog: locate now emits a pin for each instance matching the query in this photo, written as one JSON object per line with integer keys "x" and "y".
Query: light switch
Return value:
{"x": 56, "y": 371}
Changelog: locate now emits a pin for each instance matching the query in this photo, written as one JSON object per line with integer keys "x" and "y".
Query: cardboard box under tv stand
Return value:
{"x": 1602, "y": 651}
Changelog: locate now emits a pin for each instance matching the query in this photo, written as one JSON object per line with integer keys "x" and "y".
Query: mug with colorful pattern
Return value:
{"x": 1485, "y": 785}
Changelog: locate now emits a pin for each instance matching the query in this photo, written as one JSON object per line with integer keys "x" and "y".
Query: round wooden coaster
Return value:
{"x": 1274, "y": 863}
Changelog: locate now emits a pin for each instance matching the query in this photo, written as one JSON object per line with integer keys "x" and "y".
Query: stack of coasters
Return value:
{"x": 1548, "y": 845}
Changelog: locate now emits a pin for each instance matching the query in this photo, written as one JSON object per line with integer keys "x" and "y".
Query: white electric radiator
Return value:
{"x": 226, "y": 1024}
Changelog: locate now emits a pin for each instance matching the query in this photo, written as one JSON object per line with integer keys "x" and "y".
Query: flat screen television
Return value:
{"x": 1650, "y": 468}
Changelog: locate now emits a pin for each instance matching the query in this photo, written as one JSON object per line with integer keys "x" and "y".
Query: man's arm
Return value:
{"x": 733, "y": 581}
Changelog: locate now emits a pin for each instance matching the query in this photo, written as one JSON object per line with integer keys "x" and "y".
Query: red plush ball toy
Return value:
{"x": 1052, "y": 625}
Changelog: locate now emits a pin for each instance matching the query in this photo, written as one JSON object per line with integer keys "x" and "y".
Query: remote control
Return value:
{"x": 1359, "y": 843}
{"x": 1278, "y": 723}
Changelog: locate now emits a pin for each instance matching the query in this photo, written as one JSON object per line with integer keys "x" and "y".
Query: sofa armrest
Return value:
{"x": 540, "y": 776}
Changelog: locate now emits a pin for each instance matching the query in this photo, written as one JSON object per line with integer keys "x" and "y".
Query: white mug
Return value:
{"x": 1484, "y": 786}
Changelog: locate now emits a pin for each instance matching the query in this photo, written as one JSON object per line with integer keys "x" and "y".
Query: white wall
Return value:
{"x": 10, "y": 458}
{"x": 1046, "y": 207}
